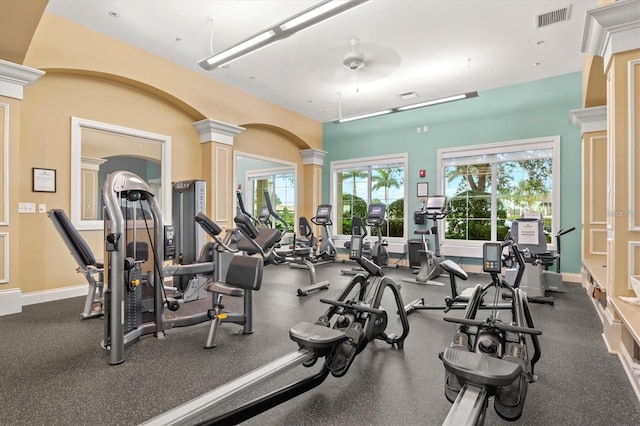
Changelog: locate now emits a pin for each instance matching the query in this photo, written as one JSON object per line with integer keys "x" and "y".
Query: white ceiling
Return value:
{"x": 436, "y": 48}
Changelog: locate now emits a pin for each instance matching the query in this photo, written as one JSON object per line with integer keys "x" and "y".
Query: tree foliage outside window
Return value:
{"x": 360, "y": 186}
{"x": 506, "y": 188}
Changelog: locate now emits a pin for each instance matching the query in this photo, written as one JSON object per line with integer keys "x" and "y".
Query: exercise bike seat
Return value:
{"x": 314, "y": 336}
{"x": 452, "y": 268}
{"x": 480, "y": 369}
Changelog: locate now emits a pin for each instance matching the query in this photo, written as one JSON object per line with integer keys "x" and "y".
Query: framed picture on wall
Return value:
{"x": 44, "y": 180}
{"x": 423, "y": 189}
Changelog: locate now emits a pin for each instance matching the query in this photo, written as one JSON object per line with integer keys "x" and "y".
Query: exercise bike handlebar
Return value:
{"x": 565, "y": 231}
{"x": 272, "y": 212}
{"x": 496, "y": 325}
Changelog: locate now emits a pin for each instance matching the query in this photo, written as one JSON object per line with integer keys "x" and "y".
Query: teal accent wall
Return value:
{"x": 529, "y": 110}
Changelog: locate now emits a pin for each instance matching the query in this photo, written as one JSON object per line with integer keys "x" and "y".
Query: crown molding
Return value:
{"x": 313, "y": 156}
{"x": 217, "y": 131}
{"x": 612, "y": 29}
{"x": 590, "y": 119}
{"x": 14, "y": 77}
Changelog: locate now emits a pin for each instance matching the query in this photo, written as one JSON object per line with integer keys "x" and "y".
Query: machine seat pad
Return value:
{"x": 480, "y": 369}
{"x": 422, "y": 232}
{"x": 245, "y": 272}
{"x": 452, "y": 268}
{"x": 302, "y": 251}
{"x": 266, "y": 239}
{"x": 223, "y": 288}
{"x": 314, "y": 336}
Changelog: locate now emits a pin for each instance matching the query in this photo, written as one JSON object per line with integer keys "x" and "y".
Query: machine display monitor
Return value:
{"x": 355, "y": 248}
{"x": 436, "y": 203}
{"x": 491, "y": 253}
{"x": 324, "y": 211}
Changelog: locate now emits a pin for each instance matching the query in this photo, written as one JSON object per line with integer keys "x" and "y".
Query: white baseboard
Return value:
{"x": 55, "y": 294}
{"x": 10, "y": 301}
{"x": 571, "y": 277}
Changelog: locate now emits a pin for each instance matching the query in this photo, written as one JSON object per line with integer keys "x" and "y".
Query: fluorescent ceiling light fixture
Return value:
{"x": 371, "y": 114}
{"x": 320, "y": 12}
{"x": 404, "y": 108}
{"x": 439, "y": 101}
{"x": 303, "y": 20}
{"x": 241, "y": 49}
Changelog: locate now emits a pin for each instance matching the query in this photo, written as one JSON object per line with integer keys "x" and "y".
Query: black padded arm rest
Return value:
{"x": 246, "y": 226}
{"x": 451, "y": 267}
{"x": 64, "y": 225}
{"x": 480, "y": 369}
{"x": 245, "y": 272}
{"x": 209, "y": 226}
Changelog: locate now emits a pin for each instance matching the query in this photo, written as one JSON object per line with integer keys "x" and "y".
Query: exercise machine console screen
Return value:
{"x": 491, "y": 253}
{"x": 355, "y": 249}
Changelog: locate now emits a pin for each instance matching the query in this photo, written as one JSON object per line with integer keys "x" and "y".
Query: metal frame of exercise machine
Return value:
{"x": 433, "y": 209}
{"x": 339, "y": 335}
{"x": 529, "y": 236}
{"x": 123, "y": 195}
{"x": 491, "y": 358}
{"x": 300, "y": 255}
{"x": 92, "y": 269}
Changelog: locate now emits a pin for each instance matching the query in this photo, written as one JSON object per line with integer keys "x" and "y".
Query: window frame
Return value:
{"x": 473, "y": 248}
{"x": 344, "y": 165}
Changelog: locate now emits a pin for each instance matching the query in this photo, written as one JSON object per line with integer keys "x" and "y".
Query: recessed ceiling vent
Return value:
{"x": 558, "y": 15}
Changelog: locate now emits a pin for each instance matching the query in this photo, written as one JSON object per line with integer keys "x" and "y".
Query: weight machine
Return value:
{"x": 129, "y": 205}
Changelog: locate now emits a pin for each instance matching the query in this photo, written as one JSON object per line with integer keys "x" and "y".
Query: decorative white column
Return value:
{"x": 13, "y": 79}
{"x": 217, "y": 139}
{"x": 312, "y": 161}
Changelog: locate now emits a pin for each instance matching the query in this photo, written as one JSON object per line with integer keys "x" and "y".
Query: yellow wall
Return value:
{"x": 94, "y": 77}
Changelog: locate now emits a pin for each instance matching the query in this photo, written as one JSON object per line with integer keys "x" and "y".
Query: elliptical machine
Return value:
{"x": 433, "y": 209}
{"x": 376, "y": 217}
{"x": 327, "y": 250}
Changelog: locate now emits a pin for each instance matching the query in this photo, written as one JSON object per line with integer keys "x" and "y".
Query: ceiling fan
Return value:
{"x": 363, "y": 63}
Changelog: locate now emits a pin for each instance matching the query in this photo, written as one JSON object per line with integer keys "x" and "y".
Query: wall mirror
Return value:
{"x": 255, "y": 173}
{"x": 98, "y": 149}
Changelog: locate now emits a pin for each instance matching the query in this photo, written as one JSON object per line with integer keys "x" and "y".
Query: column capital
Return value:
{"x": 313, "y": 156}
{"x": 592, "y": 119}
{"x": 612, "y": 29}
{"x": 14, "y": 77}
{"x": 217, "y": 131}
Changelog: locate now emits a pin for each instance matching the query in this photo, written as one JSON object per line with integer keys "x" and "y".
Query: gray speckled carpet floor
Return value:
{"x": 54, "y": 371}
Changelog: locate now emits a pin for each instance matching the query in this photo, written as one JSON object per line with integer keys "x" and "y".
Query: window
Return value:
{"x": 489, "y": 186}
{"x": 357, "y": 183}
{"x": 281, "y": 187}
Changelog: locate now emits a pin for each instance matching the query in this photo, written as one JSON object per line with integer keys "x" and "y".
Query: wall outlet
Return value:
{"x": 42, "y": 208}
{"x": 26, "y": 207}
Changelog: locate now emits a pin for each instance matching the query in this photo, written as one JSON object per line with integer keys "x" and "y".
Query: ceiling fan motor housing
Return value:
{"x": 353, "y": 60}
